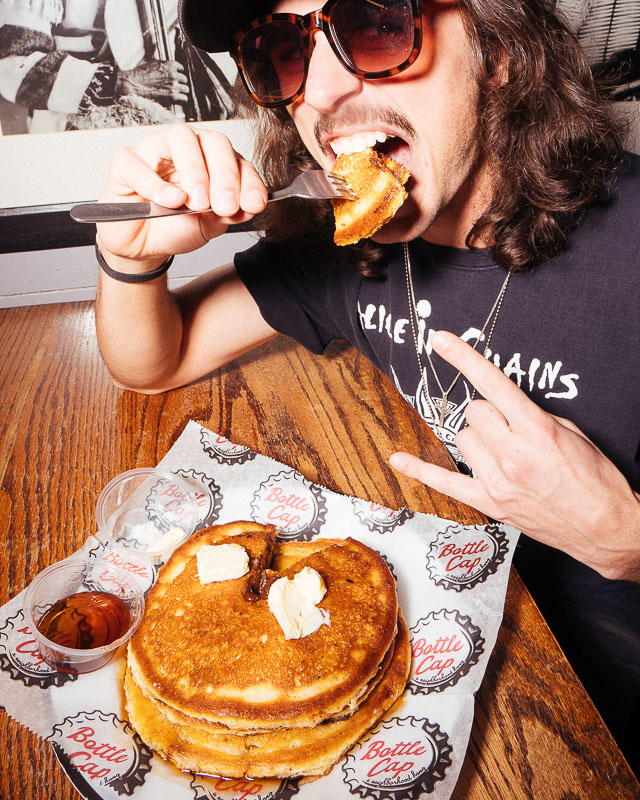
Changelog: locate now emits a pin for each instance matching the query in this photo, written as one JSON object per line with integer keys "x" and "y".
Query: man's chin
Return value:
{"x": 405, "y": 226}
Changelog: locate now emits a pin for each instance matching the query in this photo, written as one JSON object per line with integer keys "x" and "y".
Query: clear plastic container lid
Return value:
{"x": 148, "y": 511}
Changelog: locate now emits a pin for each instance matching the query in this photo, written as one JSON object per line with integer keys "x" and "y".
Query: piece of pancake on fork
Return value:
{"x": 378, "y": 181}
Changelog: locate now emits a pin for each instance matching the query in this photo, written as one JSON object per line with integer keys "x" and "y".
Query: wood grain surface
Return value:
{"x": 65, "y": 431}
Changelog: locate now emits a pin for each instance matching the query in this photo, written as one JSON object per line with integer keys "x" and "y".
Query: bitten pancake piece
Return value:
{"x": 379, "y": 183}
{"x": 216, "y": 653}
{"x": 281, "y": 753}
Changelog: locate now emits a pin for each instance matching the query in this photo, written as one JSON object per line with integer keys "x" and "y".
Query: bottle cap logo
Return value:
{"x": 289, "y": 501}
{"x": 210, "y": 788}
{"x": 209, "y": 497}
{"x": 444, "y": 647}
{"x": 101, "y": 754}
{"x": 222, "y": 450}
{"x": 20, "y": 657}
{"x": 399, "y": 758}
{"x": 463, "y": 556}
{"x": 379, "y": 518}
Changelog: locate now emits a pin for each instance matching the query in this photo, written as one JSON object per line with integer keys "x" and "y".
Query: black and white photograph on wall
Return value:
{"x": 70, "y": 65}
{"x": 609, "y": 32}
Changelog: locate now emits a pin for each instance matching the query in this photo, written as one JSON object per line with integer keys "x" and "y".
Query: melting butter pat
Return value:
{"x": 168, "y": 541}
{"x": 294, "y": 603}
{"x": 221, "y": 562}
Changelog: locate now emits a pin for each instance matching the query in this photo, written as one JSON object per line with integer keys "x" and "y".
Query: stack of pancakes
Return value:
{"x": 378, "y": 181}
{"x": 213, "y": 685}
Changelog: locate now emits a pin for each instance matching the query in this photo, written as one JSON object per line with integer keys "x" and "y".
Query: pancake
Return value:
{"x": 179, "y": 717}
{"x": 281, "y": 753}
{"x": 379, "y": 183}
{"x": 215, "y": 653}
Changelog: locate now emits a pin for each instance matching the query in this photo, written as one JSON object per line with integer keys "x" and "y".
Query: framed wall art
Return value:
{"x": 78, "y": 80}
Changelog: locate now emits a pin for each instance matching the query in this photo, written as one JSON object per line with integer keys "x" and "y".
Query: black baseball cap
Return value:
{"x": 210, "y": 24}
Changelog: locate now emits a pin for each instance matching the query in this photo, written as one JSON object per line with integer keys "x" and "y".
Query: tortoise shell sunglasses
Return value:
{"x": 371, "y": 39}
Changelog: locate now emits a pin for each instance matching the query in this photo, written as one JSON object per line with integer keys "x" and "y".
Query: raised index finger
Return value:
{"x": 490, "y": 381}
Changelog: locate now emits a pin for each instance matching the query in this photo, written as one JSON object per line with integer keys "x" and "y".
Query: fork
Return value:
{"x": 316, "y": 183}
{"x": 313, "y": 184}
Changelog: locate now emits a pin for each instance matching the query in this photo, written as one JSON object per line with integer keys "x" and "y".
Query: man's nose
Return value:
{"x": 328, "y": 83}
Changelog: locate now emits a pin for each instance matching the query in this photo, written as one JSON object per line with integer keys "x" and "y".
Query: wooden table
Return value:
{"x": 65, "y": 431}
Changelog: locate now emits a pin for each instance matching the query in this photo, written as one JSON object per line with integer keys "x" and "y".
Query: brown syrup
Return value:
{"x": 85, "y": 620}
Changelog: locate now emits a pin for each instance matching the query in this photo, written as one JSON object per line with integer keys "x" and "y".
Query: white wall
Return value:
{"x": 58, "y": 276}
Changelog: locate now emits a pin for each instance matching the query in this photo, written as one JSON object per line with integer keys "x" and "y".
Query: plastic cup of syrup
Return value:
{"x": 81, "y": 611}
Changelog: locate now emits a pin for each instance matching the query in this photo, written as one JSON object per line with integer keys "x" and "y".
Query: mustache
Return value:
{"x": 362, "y": 117}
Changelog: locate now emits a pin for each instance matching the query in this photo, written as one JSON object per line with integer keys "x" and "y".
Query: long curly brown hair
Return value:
{"x": 550, "y": 136}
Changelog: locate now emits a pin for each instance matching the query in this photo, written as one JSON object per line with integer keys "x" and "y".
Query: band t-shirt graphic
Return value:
{"x": 567, "y": 333}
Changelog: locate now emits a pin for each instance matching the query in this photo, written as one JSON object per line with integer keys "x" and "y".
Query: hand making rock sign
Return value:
{"x": 535, "y": 471}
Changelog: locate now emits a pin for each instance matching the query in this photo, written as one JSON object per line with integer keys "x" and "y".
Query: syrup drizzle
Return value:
{"x": 85, "y": 620}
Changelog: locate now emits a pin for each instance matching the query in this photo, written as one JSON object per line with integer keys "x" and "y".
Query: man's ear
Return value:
{"x": 500, "y": 75}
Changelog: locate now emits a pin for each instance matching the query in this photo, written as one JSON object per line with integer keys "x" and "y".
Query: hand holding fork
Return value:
{"x": 312, "y": 184}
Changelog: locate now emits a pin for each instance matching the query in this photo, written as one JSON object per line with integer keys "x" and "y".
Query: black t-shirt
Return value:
{"x": 567, "y": 333}
{"x": 568, "y": 330}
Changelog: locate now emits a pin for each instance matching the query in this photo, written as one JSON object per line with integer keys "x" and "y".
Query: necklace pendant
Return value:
{"x": 441, "y": 405}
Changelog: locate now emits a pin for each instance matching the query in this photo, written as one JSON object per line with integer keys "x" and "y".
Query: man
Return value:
{"x": 512, "y": 154}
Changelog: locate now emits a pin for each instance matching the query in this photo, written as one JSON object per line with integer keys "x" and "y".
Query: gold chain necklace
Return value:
{"x": 441, "y": 402}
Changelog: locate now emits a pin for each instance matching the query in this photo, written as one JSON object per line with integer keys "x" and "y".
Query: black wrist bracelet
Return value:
{"x": 132, "y": 277}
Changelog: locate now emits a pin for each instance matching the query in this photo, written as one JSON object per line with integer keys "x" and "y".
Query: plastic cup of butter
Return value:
{"x": 80, "y": 611}
{"x": 148, "y": 512}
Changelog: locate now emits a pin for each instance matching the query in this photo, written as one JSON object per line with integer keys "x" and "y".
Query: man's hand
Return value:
{"x": 535, "y": 471}
{"x": 174, "y": 165}
{"x": 155, "y": 80}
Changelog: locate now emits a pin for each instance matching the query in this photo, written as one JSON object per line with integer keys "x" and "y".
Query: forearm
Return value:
{"x": 152, "y": 341}
{"x": 139, "y": 329}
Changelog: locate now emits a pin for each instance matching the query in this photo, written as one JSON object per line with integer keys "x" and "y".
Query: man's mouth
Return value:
{"x": 345, "y": 145}
{"x": 393, "y": 146}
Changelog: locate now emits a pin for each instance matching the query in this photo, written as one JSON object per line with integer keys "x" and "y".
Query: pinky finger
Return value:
{"x": 253, "y": 192}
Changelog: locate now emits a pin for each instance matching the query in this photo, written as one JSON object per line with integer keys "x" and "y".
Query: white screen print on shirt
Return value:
{"x": 545, "y": 375}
